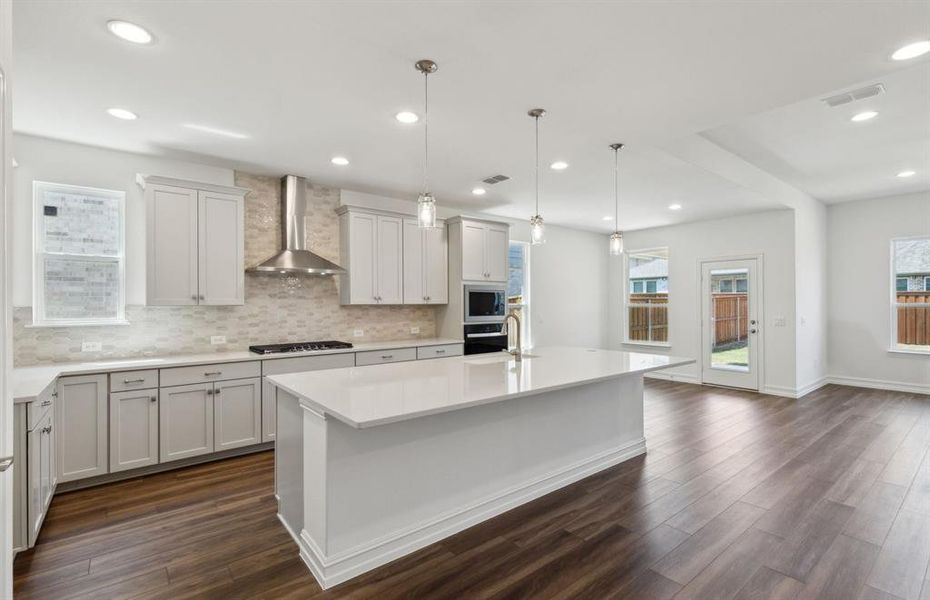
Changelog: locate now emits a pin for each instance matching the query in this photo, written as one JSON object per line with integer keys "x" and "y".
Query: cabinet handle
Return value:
{"x": 440, "y": 352}
{"x": 46, "y": 402}
{"x": 210, "y": 392}
{"x": 212, "y": 373}
{"x": 47, "y": 429}
{"x": 387, "y": 356}
{"x": 55, "y": 394}
{"x": 153, "y": 399}
{"x": 140, "y": 380}
{"x": 217, "y": 392}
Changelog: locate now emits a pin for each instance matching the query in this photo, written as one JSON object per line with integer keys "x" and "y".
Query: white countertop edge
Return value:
{"x": 31, "y": 381}
{"x": 480, "y": 402}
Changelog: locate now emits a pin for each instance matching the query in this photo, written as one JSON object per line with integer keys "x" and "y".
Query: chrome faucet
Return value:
{"x": 517, "y": 352}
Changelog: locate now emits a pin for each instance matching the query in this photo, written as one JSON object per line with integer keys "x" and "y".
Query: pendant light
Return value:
{"x": 426, "y": 203}
{"x": 616, "y": 238}
{"x": 537, "y": 227}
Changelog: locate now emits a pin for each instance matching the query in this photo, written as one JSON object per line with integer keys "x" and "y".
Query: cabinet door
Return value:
{"x": 269, "y": 412}
{"x": 498, "y": 246}
{"x": 185, "y": 421}
{"x": 40, "y": 486}
{"x": 390, "y": 260}
{"x": 133, "y": 429}
{"x": 414, "y": 263}
{"x": 81, "y": 427}
{"x": 473, "y": 251}
{"x": 171, "y": 246}
{"x": 436, "y": 261}
{"x": 363, "y": 230}
{"x": 221, "y": 249}
{"x": 237, "y": 413}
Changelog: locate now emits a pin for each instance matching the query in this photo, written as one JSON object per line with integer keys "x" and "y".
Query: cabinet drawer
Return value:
{"x": 439, "y": 351}
{"x": 133, "y": 380}
{"x": 44, "y": 402}
{"x": 298, "y": 364}
{"x": 378, "y": 357}
{"x": 207, "y": 373}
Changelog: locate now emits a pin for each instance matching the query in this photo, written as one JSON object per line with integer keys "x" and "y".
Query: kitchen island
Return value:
{"x": 372, "y": 463}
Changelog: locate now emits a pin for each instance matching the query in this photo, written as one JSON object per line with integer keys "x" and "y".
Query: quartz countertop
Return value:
{"x": 380, "y": 394}
{"x": 29, "y": 382}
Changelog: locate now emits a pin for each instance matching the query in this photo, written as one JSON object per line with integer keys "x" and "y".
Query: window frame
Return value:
{"x": 39, "y": 318}
{"x": 627, "y": 290}
{"x": 526, "y": 334}
{"x": 894, "y": 346}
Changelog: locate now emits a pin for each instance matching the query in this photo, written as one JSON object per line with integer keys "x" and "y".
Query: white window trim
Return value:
{"x": 894, "y": 346}
{"x": 624, "y": 319}
{"x": 38, "y": 264}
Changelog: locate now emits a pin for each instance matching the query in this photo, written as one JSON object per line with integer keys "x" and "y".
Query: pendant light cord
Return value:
{"x": 426, "y": 132}
{"x": 617, "y": 189}
{"x": 537, "y": 165}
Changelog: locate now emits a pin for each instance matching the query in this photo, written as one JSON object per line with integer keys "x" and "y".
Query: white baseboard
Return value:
{"x": 333, "y": 570}
{"x": 880, "y": 384}
{"x": 680, "y": 377}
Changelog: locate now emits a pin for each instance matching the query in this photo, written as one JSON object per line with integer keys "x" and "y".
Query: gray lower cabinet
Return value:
{"x": 35, "y": 472}
{"x": 133, "y": 429}
{"x": 81, "y": 424}
{"x": 41, "y": 477}
{"x": 237, "y": 413}
{"x": 185, "y": 420}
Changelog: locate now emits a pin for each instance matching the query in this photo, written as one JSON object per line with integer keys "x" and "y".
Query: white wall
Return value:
{"x": 63, "y": 162}
{"x": 810, "y": 250}
{"x": 770, "y": 234}
{"x": 859, "y": 292}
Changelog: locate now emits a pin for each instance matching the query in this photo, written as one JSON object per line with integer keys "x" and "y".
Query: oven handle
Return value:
{"x": 484, "y": 335}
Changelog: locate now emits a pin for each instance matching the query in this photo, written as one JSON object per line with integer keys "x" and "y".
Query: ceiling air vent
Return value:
{"x": 494, "y": 179}
{"x": 859, "y": 94}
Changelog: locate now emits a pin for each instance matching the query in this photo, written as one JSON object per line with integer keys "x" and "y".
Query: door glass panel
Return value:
{"x": 730, "y": 319}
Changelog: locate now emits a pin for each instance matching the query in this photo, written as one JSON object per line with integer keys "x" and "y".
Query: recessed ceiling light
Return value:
{"x": 907, "y": 173}
{"x": 864, "y": 116}
{"x": 129, "y": 32}
{"x": 559, "y": 165}
{"x": 223, "y": 132}
{"x": 340, "y": 160}
{"x": 407, "y": 117}
{"x": 912, "y": 50}
{"x": 122, "y": 113}
{"x": 607, "y": 218}
{"x": 674, "y": 206}
{"x": 479, "y": 191}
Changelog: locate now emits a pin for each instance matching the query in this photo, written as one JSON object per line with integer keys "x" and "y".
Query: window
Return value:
{"x": 910, "y": 304}
{"x": 78, "y": 272}
{"x": 726, "y": 286}
{"x": 647, "y": 297}
{"x": 518, "y": 288}
{"x": 742, "y": 286}
{"x": 927, "y": 284}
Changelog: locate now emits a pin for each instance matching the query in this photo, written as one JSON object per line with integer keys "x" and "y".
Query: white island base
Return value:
{"x": 373, "y": 463}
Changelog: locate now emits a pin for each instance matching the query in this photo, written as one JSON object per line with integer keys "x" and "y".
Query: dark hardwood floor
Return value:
{"x": 740, "y": 496}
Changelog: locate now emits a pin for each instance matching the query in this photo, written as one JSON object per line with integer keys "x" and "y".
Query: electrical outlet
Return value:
{"x": 217, "y": 339}
{"x": 91, "y": 347}
{"x": 414, "y": 330}
{"x": 359, "y": 333}
{"x": 780, "y": 321}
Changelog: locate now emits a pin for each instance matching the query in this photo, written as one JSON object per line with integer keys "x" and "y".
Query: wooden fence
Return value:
{"x": 914, "y": 321}
{"x": 731, "y": 318}
{"x": 648, "y": 317}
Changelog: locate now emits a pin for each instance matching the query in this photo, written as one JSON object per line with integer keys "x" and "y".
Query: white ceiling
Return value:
{"x": 310, "y": 80}
{"x": 818, "y": 149}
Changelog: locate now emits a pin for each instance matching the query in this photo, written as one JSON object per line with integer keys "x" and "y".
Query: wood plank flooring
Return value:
{"x": 740, "y": 496}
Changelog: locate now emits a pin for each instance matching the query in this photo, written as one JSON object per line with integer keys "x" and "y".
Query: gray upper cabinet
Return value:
{"x": 195, "y": 243}
{"x": 371, "y": 249}
{"x": 484, "y": 249}
{"x": 426, "y": 263}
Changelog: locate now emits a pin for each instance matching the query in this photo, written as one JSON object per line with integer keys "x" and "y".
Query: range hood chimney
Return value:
{"x": 294, "y": 257}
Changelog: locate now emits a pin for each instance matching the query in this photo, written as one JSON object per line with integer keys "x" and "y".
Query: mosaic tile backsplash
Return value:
{"x": 277, "y": 308}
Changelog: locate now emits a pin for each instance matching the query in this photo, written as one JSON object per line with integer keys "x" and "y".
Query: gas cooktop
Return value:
{"x": 299, "y": 347}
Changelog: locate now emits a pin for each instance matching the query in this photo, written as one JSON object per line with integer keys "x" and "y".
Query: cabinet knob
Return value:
{"x": 202, "y": 297}
{"x": 194, "y": 297}
{"x": 209, "y": 391}
{"x": 46, "y": 402}
{"x": 153, "y": 399}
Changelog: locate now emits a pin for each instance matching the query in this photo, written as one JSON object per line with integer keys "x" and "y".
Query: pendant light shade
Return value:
{"x": 426, "y": 203}
{"x": 616, "y": 238}
{"x": 537, "y": 227}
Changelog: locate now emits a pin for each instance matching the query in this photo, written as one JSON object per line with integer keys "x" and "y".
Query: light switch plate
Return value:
{"x": 780, "y": 321}
{"x": 359, "y": 333}
{"x": 217, "y": 339}
{"x": 91, "y": 346}
{"x": 414, "y": 330}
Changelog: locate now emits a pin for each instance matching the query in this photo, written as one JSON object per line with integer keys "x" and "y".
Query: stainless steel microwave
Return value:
{"x": 485, "y": 303}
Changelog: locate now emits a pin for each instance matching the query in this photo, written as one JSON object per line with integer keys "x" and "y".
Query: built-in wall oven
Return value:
{"x": 485, "y": 337}
{"x": 485, "y": 303}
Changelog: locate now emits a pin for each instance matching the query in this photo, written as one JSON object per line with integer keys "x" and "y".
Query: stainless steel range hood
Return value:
{"x": 294, "y": 256}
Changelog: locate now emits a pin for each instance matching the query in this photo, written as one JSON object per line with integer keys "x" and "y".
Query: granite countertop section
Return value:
{"x": 29, "y": 382}
{"x": 376, "y": 395}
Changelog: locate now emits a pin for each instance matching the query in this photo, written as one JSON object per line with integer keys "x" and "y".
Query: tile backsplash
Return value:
{"x": 277, "y": 308}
